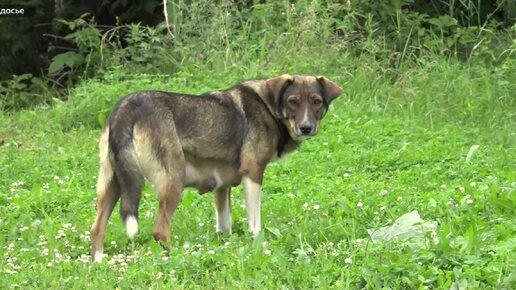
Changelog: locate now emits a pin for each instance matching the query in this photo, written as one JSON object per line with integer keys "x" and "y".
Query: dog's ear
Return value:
{"x": 275, "y": 88}
{"x": 330, "y": 89}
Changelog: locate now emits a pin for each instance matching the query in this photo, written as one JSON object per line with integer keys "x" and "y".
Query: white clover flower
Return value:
{"x": 83, "y": 258}
{"x": 443, "y": 186}
{"x": 60, "y": 234}
{"x": 17, "y": 183}
{"x": 211, "y": 252}
{"x": 462, "y": 189}
{"x": 10, "y": 272}
{"x": 305, "y": 206}
{"x": 360, "y": 204}
{"x": 348, "y": 261}
{"x": 316, "y": 207}
{"x": 267, "y": 252}
{"x": 473, "y": 184}
{"x": 384, "y": 192}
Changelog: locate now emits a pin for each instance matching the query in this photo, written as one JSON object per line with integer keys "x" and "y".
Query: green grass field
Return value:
{"x": 388, "y": 146}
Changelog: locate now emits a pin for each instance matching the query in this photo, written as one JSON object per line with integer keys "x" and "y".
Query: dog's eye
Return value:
{"x": 317, "y": 102}
{"x": 293, "y": 102}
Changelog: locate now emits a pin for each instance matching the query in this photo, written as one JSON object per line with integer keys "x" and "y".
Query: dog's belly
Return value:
{"x": 209, "y": 177}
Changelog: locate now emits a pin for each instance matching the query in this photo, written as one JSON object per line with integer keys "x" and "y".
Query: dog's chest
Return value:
{"x": 209, "y": 177}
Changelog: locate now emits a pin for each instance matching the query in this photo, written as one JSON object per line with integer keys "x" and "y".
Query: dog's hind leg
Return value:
{"x": 168, "y": 183}
{"x": 108, "y": 193}
{"x": 223, "y": 209}
{"x": 169, "y": 194}
{"x": 161, "y": 158}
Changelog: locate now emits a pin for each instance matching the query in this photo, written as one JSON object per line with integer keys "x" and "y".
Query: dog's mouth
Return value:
{"x": 303, "y": 131}
{"x": 300, "y": 135}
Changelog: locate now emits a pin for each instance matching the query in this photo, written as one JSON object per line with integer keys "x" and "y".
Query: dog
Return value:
{"x": 210, "y": 142}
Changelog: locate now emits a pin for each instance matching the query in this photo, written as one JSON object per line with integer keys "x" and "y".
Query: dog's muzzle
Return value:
{"x": 306, "y": 129}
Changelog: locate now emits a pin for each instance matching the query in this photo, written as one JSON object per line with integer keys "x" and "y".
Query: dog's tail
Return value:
{"x": 127, "y": 168}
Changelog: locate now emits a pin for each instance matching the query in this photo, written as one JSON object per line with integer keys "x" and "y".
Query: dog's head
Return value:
{"x": 300, "y": 102}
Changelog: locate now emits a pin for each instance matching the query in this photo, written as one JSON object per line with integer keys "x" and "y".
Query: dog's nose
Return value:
{"x": 305, "y": 129}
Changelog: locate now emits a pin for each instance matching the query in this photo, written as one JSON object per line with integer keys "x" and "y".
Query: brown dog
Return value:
{"x": 210, "y": 142}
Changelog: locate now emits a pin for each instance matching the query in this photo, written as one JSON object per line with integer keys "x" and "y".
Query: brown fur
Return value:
{"x": 209, "y": 142}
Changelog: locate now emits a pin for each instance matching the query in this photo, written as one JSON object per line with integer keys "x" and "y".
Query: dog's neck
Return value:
{"x": 284, "y": 137}
{"x": 285, "y": 142}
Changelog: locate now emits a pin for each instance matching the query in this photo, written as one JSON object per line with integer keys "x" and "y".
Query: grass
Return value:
{"x": 389, "y": 146}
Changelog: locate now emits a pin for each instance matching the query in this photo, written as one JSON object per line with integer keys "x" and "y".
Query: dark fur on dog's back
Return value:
{"x": 211, "y": 142}
{"x": 163, "y": 109}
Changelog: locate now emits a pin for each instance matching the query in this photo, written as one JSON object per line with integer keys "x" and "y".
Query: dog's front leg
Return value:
{"x": 252, "y": 192}
{"x": 223, "y": 209}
